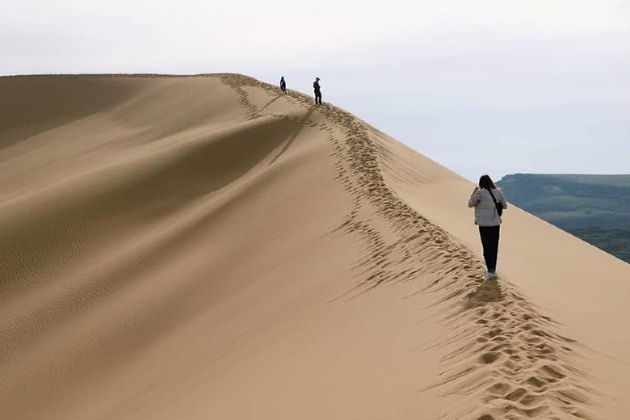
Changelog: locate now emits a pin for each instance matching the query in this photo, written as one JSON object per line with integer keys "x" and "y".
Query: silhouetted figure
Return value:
{"x": 283, "y": 85}
{"x": 489, "y": 203}
{"x": 318, "y": 92}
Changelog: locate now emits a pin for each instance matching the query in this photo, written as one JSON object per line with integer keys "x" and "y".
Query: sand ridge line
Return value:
{"x": 364, "y": 190}
{"x": 508, "y": 360}
{"x": 531, "y": 372}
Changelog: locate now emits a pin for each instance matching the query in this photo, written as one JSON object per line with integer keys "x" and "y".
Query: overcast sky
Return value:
{"x": 496, "y": 86}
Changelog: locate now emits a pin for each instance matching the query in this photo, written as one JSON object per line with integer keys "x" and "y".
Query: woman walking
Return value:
{"x": 489, "y": 203}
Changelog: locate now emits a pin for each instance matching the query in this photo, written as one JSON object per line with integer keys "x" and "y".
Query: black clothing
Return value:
{"x": 490, "y": 242}
{"x": 318, "y": 92}
{"x": 283, "y": 85}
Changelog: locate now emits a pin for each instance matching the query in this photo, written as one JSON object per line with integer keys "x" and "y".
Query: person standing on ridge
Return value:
{"x": 489, "y": 203}
{"x": 318, "y": 92}
{"x": 283, "y": 85}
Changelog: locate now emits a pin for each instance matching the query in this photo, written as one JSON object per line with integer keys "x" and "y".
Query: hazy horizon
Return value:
{"x": 489, "y": 87}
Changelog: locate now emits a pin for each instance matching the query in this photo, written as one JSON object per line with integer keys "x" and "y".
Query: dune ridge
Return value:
{"x": 126, "y": 256}
{"x": 536, "y": 376}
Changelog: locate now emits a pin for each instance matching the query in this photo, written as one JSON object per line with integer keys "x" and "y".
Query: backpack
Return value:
{"x": 497, "y": 204}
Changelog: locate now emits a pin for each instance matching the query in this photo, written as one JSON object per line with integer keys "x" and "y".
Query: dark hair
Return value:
{"x": 486, "y": 182}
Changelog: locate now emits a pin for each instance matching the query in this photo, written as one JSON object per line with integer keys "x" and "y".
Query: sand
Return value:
{"x": 208, "y": 248}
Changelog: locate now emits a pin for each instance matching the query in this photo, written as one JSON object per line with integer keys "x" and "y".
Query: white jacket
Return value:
{"x": 485, "y": 210}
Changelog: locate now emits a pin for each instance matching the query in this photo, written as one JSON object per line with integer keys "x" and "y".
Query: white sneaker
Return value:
{"x": 490, "y": 275}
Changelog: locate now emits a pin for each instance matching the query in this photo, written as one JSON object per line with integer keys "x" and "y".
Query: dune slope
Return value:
{"x": 206, "y": 247}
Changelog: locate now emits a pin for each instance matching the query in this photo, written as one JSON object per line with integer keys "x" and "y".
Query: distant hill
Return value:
{"x": 595, "y": 208}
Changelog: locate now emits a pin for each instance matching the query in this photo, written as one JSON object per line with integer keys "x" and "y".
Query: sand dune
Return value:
{"x": 205, "y": 247}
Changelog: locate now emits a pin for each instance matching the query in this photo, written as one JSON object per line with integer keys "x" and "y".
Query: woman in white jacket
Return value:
{"x": 487, "y": 200}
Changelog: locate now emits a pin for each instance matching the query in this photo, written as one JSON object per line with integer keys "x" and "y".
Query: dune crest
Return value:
{"x": 186, "y": 247}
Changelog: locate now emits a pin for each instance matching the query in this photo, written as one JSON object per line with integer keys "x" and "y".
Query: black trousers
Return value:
{"x": 490, "y": 242}
{"x": 318, "y": 97}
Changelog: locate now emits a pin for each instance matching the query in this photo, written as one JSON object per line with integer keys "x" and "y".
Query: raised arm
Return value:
{"x": 474, "y": 198}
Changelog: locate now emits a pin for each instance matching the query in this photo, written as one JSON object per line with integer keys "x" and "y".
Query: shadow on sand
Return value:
{"x": 290, "y": 140}
{"x": 271, "y": 101}
{"x": 488, "y": 291}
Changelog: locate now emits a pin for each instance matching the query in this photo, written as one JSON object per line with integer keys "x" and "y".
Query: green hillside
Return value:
{"x": 596, "y": 208}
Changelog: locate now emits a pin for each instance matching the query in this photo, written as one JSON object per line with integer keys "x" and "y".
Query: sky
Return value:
{"x": 485, "y": 86}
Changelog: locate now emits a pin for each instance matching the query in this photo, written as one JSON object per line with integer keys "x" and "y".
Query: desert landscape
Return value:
{"x": 206, "y": 247}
